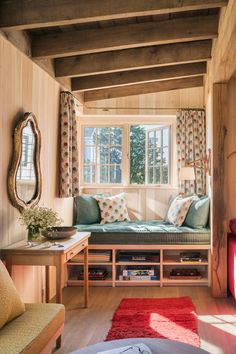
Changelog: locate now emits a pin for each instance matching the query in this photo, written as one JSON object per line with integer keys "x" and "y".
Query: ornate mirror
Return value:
{"x": 25, "y": 180}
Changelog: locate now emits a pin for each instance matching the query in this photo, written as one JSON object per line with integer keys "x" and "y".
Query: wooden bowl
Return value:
{"x": 59, "y": 232}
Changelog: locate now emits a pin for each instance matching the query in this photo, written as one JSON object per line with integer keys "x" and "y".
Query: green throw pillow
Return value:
{"x": 198, "y": 213}
{"x": 87, "y": 210}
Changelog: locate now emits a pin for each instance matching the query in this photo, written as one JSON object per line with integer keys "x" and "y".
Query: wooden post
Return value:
{"x": 219, "y": 221}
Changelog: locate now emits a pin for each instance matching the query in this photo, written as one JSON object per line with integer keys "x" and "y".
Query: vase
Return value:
{"x": 34, "y": 234}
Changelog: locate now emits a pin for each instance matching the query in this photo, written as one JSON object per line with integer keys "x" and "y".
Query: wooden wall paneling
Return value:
{"x": 219, "y": 202}
{"x": 151, "y": 104}
{"x": 144, "y": 203}
{"x": 26, "y": 87}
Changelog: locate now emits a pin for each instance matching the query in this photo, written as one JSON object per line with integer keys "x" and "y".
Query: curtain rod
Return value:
{"x": 148, "y": 108}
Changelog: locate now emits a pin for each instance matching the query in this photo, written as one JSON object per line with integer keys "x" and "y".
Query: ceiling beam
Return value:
{"x": 25, "y": 14}
{"x": 137, "y": 76}
{"x": 137, "y": 58}
{"x": 125, "y": 36}
{"x": 139, "y": 89}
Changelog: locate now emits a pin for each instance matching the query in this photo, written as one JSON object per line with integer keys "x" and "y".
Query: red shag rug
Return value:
{"x": 168, "y": 318}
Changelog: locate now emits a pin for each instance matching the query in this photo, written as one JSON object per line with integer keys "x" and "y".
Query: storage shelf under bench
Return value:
{"x": 169, "y": 259}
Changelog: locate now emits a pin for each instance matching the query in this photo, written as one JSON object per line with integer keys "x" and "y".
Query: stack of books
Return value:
{"x": 193, "y": 257}
{"x": 94, "y": 274}
{"x": 139, "y": 256}
{"x": 140, "y": 273}
{"x": 94, "y": 256}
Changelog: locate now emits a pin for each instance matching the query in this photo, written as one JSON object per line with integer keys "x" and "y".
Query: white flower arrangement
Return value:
{"x": 40, "y": 218}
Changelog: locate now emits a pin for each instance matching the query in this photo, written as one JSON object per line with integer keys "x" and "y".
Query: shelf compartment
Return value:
{"x": 139, "y": 271}
{"x": 138, "y": 256}
{"x": 188, "y": 280}
{"x": 172, "y": 257}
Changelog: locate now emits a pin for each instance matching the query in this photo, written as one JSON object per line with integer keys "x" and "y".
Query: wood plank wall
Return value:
{"x": 149, "y": 104}
{"x": 142, "y": 203}
{"x": 26, "y": 87}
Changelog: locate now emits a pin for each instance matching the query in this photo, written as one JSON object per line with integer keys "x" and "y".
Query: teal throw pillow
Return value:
{"x": 87, "y": 210}
{"x": 198, "y": 213}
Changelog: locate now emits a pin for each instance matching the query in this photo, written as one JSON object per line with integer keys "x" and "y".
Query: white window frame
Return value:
{"x": 126, "y": 151}
{"x": 96, "y": 162}
{"x": 155, "y": 130}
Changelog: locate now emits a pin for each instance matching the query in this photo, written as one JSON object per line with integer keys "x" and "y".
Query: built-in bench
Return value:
{"x": 155, "y": 232}
{"x": 158, "y": 235}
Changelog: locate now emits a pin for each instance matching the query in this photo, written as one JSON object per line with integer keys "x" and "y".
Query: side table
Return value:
{"x": 53, "y": 255}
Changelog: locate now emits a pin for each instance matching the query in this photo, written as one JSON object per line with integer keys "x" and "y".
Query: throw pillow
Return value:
{"x": 87, "y": 210}
{"x": 113, "y": 208}
{"x": 178, "y": 210}
{"x": 198, "y": 213}
{"x": 11, "y": 305}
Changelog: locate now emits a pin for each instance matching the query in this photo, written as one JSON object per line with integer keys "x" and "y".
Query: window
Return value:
{"x": 149, "y": 154}
{"x": 26, "y": 168}
{"x": 143, "y": 150}
{"x": 103, "y": 155}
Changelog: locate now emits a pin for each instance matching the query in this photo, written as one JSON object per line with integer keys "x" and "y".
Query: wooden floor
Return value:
{"x": 217, "y": 317}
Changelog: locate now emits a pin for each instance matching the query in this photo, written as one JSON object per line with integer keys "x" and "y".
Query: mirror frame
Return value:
{"x": 18, "y": 203}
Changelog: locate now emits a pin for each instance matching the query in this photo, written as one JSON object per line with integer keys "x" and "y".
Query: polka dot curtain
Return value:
{"x": 69, "y": 162}
{"x": 191, "y": 145}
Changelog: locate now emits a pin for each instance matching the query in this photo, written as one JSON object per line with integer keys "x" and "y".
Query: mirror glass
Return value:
{"x": 26, "y": 181}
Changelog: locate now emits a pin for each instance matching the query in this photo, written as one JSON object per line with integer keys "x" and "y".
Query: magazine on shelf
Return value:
{"x": 130, "y": 349}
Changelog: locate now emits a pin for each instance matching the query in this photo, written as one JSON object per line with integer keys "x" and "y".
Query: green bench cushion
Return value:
{"x": 145, "y": 232}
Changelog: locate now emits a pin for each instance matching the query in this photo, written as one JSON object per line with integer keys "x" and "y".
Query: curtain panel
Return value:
{"x": 69, "y": 154}
{"x": 191, "y": 145}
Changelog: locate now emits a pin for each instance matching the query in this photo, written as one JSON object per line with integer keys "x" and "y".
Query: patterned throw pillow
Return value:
{"x": 178, "y": 210}
{"x": 113, "y": 208}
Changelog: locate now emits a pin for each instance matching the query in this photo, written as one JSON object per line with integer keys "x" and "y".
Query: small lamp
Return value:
{"x": 187, "y": 174}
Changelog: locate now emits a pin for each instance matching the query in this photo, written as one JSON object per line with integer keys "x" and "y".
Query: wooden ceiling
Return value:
{"x": 115, "y": 48}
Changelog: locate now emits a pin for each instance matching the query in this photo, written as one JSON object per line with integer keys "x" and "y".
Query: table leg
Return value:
{"x": 9, "y": 265}
{"x": 59, "y": 279}
{"x": 58, "y": 342}
{"x": 86, "y": 277}
{"x": 47, "y": 283}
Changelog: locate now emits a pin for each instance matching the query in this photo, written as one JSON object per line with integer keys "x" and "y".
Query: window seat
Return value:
{"x": 145, "y": 232}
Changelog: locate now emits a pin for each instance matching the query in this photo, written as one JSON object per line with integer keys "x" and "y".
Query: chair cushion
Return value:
{"x": 87, "y": 210}
{"x": 11, "y": 305}
{"x": 198, "y": 213}
{"x": 178, "y": 210}
{"x": 113, "y": 208}
{"x": 32, "y": 331}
